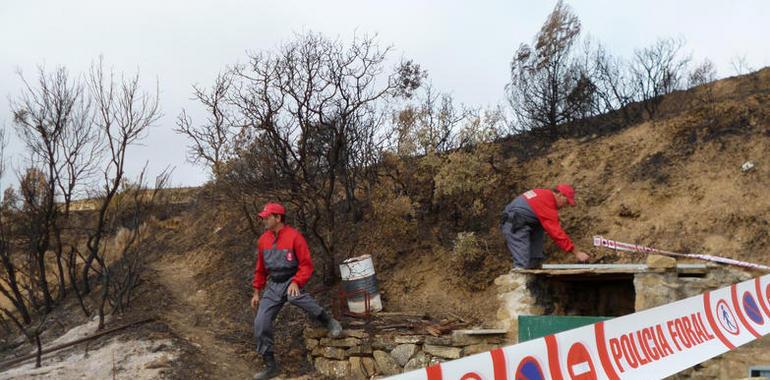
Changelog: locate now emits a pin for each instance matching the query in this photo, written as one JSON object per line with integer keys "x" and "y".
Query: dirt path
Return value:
{"x": 183, "y": 315}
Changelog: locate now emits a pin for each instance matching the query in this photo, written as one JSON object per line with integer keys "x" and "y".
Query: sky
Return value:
{"x": 465, "y": 46}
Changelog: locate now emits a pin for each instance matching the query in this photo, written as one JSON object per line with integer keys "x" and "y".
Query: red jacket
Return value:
{"x": 543, "y": 204}
{"x": 288, "y": 253}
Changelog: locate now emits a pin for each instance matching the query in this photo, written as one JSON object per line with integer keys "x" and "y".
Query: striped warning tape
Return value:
{"x": 650, "y": 344}
{"x": 600, "y": 241}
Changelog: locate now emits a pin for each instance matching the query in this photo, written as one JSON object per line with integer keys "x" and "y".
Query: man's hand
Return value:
{"x": 255, "y": 300}
{"x": 582, "y": 256}
{"x": 293, "y": 290}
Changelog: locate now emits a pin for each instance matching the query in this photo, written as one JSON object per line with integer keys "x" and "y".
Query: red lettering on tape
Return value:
{"x": 665, "y": 348}
{"x": 689, "y": 331}
{"x": 647, "y": 335}
{"x": 644, "y": 355}
{"x": 673, "y": 334}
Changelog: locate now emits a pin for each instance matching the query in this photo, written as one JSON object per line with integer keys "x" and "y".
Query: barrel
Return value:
{"x": 358, "y": 276}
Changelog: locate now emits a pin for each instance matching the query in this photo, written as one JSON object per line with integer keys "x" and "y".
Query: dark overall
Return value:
{"x": 523, "y": 234}
{"x": 282, "y": 265}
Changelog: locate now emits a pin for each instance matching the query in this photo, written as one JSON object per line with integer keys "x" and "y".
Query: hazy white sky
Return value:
{"x": 466, "y": 46}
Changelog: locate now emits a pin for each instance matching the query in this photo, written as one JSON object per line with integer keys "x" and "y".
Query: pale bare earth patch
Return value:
{"x": 116, "y": 358}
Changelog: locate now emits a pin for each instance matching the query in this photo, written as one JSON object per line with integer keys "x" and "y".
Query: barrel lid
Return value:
{"x": 357, "y": 258}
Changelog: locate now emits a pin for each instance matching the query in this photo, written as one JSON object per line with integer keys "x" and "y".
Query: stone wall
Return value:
{"x": 362, "y": 354}
{"x": 661, "y": 284}
{"x": 517, "y": 295}
{"x": 359, "y": 354}
{"x": 525, "y": 293}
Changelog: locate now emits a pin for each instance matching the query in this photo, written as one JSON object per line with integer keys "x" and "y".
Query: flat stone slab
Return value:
{"x": 360, "y": 334}
{"x": 599, "y": 269}
{"x": 407, "y": 339}
{"x": 344, "y": 342}
{"x": 481, "y": 332}
{"x": 443, "y": 351}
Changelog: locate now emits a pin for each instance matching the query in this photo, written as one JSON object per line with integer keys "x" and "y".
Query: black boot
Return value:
{"x": 334, "y": 327}
{"x": 271, "y": 368}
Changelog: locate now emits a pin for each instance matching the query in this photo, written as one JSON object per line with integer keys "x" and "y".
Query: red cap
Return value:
{"x": 568, "y": 192}
{"x": 272, "y": 208}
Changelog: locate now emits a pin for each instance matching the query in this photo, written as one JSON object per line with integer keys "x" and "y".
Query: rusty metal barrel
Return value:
{"x": 359, "y": 283}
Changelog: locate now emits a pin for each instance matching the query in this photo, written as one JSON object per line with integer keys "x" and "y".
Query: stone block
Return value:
{"x": 446, "y": 352}
{"x": 357, "y": 369}
{"x": 381, "y": 342}
{"x": 462, "y": 340}
{"x": 315, "y": 332}
{"x": 660, "y": 262}
{"x": 310, "y": 344}
{"x": 370, "y": 366}
{"x": 330, "y": 352}
{"x": 333, "y": 368}
{"x": 409, "y": 339}
{"x": 360, "y": 334}
{"x": 386, "y": 365}
{"x": 478, "y": 348}
{"x": 403, "y": 353}
{"x": 654, "y": 289}
{"x": 344, "y": 342}
{"x": 365, "y": 349}
{"x": 512, "y": 281}
{"x": 419, "y": 360}
{"x": 439, "y": 340}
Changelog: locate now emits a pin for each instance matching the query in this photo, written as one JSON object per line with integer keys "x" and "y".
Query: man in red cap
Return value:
{"x": 283, "y": 268}
{"x": 524, "y": 220}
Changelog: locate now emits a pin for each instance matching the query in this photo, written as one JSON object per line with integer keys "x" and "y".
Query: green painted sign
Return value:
{"x": 538, "y": 326}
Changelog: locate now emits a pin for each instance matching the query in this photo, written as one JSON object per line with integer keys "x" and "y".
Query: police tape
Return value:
{"x": 600, "y": 241}
{"x": 649, "y": 344}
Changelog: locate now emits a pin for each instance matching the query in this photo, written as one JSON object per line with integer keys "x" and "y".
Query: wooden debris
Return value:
{"x": 457, "y": 317}
{"x": 397, "y": 326}
{"x": 481, "y": 332}
{"x": 432, "y": 330}
{"x": 392, "y": 314}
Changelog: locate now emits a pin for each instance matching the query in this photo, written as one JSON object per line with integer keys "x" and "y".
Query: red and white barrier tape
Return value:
{"x": 628, "y": 247}
{"x": 649, "y": 344}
